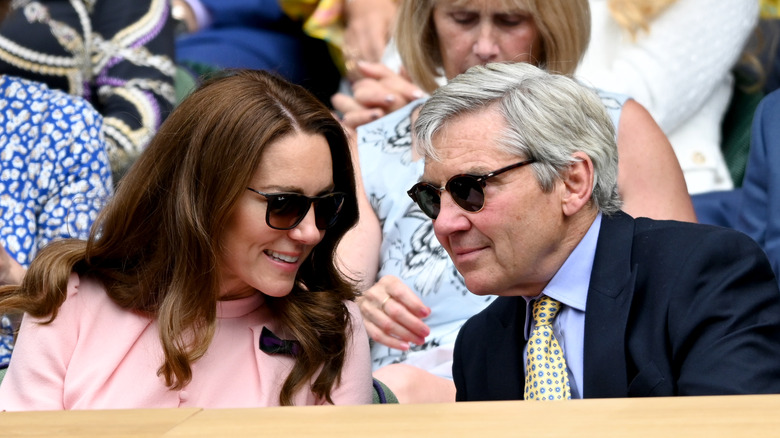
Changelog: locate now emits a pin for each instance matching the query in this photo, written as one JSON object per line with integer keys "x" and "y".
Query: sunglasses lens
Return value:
{"x": 427, "y": 198}
{"x": 326, "y": 210}
{"x": 467, "y": 193}
{"x": 285, "y": 211}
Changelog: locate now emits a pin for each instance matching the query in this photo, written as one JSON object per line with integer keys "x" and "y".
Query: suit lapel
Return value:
{"x": 506, "y": 344}
{"x": 609, "y": 301}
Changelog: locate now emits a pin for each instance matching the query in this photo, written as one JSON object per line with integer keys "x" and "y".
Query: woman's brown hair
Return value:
{"x": 563, "y": 25}
{"x": 156, "y": 245}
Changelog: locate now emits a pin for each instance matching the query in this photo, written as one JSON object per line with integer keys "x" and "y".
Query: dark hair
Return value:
{"x": 5, "y": 6}
{"x": 156, "y": 245}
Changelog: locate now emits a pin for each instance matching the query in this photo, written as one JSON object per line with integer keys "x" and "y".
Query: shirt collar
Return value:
{"x": 570, "y": 284}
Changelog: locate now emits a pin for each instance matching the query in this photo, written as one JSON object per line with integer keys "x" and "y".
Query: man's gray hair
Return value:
{"x": 549, "y": 118}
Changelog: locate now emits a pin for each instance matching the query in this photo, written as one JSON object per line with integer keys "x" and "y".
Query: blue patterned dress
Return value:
{"x": 55, "y": 173}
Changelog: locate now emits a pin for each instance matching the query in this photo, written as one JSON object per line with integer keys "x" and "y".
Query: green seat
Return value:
{"x": 735, "y": 129}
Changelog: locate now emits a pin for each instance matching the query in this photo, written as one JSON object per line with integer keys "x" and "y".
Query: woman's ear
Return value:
{"x": 577, "y": 184}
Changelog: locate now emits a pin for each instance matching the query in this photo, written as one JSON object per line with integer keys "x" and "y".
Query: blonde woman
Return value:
{"x": 675, "y": 58}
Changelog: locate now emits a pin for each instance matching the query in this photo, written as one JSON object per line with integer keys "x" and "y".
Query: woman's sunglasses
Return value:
{"x": 468, "y": 191}
{"x": 286, "y": 210}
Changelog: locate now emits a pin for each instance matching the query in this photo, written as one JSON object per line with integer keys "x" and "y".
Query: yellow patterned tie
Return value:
{"x": 546, "y": 375}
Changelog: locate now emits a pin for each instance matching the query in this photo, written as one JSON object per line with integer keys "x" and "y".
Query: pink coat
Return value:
{"x": 95, "y": 355}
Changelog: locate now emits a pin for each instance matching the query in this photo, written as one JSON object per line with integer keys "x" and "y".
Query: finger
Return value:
{"x": 389, "y": 341}
{"x": 380, "y": 308}
{"x": 399, "y": 82}
{"x": 344, "y": 104}
{"x": 405, "y": 90}
{"x": 375, "y": 70}
{"x": 387, "y": 90}
{"x": 409, "y": 90}
{"x": 353, "y": 119}
{"x": 371, "y": 93}
{"x": 404, "y": 295}
{"x": 403, "y": 307}
{"x": 402, "y": 324}
{"x": 381, "y": 328}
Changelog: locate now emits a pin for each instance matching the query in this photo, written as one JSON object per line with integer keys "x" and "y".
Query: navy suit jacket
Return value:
{"x": 672, "y": 309}
{"x": 760, "y": 210}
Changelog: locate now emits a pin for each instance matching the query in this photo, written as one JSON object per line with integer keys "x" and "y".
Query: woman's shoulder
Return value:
{"x": 89, "y": 294}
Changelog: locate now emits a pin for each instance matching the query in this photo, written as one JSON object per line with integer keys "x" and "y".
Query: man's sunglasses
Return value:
{"x": 468, "y": 191}
{"x": 286, "y": 210}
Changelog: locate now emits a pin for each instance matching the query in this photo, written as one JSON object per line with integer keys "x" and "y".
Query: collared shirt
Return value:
{"x": 570, "y": 287}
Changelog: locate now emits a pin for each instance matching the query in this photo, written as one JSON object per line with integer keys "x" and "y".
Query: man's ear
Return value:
{"x": 577, "y": 184}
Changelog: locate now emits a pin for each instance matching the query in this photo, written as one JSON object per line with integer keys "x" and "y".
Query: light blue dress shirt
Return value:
{"x": 570, "y": 287}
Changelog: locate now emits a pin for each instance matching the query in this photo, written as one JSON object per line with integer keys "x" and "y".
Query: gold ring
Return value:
{"x": 382, "y": 306}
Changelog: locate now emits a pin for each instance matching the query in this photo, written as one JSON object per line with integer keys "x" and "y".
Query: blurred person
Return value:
{"x": 677, "y": 63}
{"x": 117, "y": 55}
{"x": 310, "y": 42}
{"x": 54, "y": 176}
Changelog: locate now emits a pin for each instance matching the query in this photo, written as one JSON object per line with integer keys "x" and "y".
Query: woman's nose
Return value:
{"x": 486, "y": 46}
{"x": 307, "y": 232}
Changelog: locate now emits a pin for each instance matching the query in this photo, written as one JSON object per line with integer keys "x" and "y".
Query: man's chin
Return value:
{"x": 479, "y": 286}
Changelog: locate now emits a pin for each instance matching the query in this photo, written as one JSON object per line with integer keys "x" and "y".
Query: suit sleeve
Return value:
{"x": 461, "y": 394}
{"x": 725, "y": 336}
{"x": 761, "y": 200}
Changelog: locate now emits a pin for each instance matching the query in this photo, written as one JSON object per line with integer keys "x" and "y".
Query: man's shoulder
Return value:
{"x": 663, "y": 249}
{"x": 674, "y": 233}
{"x": 666, "y": 233}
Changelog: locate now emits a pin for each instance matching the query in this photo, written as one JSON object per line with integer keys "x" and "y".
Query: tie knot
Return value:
{"x": 545, "y": 309}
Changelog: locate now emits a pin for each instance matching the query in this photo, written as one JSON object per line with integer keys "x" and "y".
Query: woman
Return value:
{"x": 220, "y": 239}
{"x": 677, "y": 65}
{"x": 396, "y": 244}
{"x": 54, "y": 176}
{"x": 117, "y": 55}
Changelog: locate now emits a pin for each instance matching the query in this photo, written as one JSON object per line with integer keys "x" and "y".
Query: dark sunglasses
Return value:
{"x": 468, "y": 191}
{"x": 286, "y": 210}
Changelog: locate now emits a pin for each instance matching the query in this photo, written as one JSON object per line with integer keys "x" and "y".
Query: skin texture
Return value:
{"x": 11, "y": 272}
{"x": 523, "y": 235}
{"x": 368, "y": 28}
{"x": 298, "y": 163}
{"x": 478, "y": 32}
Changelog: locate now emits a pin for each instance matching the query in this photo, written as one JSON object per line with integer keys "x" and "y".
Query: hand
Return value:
{"x": 378, "y": 92}
{"x": 182, "y": 12}
{"x": 11, "y": 272}
{"x": 393, "y": 314}
{"x": 369, "y": 26}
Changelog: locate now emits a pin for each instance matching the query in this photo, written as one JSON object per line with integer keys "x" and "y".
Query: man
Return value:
{"x": 521, "y": 181}
{"x": 754, "y": 208}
